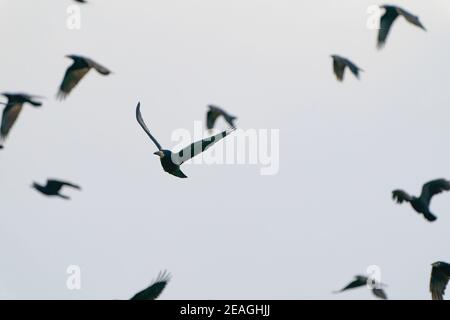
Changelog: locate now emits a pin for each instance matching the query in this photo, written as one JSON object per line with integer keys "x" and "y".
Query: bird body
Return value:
{"x": 53, "y": 188}
{"x": 340, "y": 64}
{"x": 421, "y": 204}
{"x": 79, "y": 68}
{"x": 172, "y": 161}
{"x": 360, "y": 281}
{"x": 12, "y": 110}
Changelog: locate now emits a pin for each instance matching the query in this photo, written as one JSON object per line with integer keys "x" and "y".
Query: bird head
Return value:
{"x": 72, "y": 56}
{"x": 436, "y": 264}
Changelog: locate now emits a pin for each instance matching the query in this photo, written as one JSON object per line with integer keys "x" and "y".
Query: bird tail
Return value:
{"x": 178, "y": 173}
{"x": 430, "y": 217}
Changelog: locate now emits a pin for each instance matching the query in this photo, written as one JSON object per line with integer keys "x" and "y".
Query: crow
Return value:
{"x": 214, "y": 112}
{"x": 386, "y": 21}
{"x": 79, "y": 68}
{"x": 339, "y": 65}
{"x": 53, "y": 187}
{"x": 422, "y": 204}
{"x": 12, "y": 111}
{"x": 170, "y": 161}
{"x": 360, "y": 281}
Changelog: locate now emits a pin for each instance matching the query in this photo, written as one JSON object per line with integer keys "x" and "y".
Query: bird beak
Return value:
{"x": 158, "y": 153}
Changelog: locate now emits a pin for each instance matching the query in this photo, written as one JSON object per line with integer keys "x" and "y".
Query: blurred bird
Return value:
{"x": 422, "y": 203}
{"x": 81, "y": 1}
{"x": 339, "y": 65}
{"x": 390, "y": 15}
{"x": 440, "y": 274}
{"x": 155, "y": 289}
{"x": 171, "y": 162}
{"x": 53, "y": 187}
{"x": 79, "y": 68}
{"x": 214, "y": 112}
{"x": 12, "y": 111}
{"x": 360, "y": 281}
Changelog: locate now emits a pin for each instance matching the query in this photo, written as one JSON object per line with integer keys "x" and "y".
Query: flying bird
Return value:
{"x": 361, "y": 281}
{"x": 215, "y": 112}
{"x": 79, "y": 68}
{"x": 170, "y": 161}
{"x": 440, "y": 274}
{"x": 53, "y": 188}
{"x": 390, "y": 15}
{"x": 81, "y": 1}
{"x": 155, "y": 289}
{"x": 12, "y": 111}
{"x": 422, "y": 204}
{"x": 339, "y": 65}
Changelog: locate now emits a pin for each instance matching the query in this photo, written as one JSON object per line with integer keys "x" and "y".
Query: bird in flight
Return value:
{"x": 53, "y": 188}
{"x": 79, "y": 68}
{"x": 361, "y": 281}
{"x": 390, "y": 15}
{"x": 81, "y": 1}
{"x": 422, "y": 203}
{"x": 339, "y": 65}
{"x": 155, "y": 289}
{"x": 12, "y": 110}
{"x": 440, "y": 274}
{"x": 215, "y": 112}
{"x": 171, "y": 161}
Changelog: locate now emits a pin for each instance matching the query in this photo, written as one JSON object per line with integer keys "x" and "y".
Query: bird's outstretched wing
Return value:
{"x": 386, "y": 22}
{"x": 353, "y": 68}
{"x": 339, "y": 68}
{"x": 411, "y": 18}
{"x": 10, "y": 114}
{"x": 432, "y": 188}
{"x": 143, "y": 126}
{"x": 198, "y": 147}
{"x": 379, "y": 293}
{"x": 72, "y": 77}
{"x": 155, "y": 289}
{"x": 358, "y": 282}
{"x": 438, "y": 281}
{"x": 400, "y": 196}
{"x": 101, "y": 69}
{"x": 57, "y": 184}
{"x": 211, "y": 117}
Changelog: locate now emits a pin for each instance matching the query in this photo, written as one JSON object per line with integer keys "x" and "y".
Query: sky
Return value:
{"x": 226, "y": 232}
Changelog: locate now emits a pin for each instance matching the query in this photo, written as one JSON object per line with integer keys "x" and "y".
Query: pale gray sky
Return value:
{"x": 226, "y": 232}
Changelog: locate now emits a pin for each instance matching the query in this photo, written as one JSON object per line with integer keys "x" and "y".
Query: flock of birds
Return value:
{"x": 171, "y": 161}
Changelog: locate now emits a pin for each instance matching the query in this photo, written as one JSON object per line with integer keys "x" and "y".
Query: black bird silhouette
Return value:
{"x": 440, "y": 274}
{"x": 422, "y": 203}
{"x": 79, "y": 68}
{"x": 170, "y": 161}
{"x": 390, "y": 15}
{"x": 214, "y": 112}
{"x": 81, "y": 1}
{"x": 155, "y": 289}
{"x": 53, "y": 187}
{"x": 339, "y": 65}
{"x": 360, "y": 281}
{"x": 12, "y": 111}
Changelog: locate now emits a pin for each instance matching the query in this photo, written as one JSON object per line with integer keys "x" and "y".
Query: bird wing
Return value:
{"x": 211, "y": 117}
{"x": 379, "y": 293}
{"x": 155, "y": 289}
{"x": 400, "y": 196}
{"x": 10, "y": 114}
{"x": 57, "y": 185}
{"x": 339, "y": 68}
{"x": 358, "y": 282}
{"x": 72, "y": 76}
{"x": 101, "y": 69}
{"x": 143, "y": 126}
{"x": 198, "y": 147}
{"x": 385, "y": 25}
{"x": 410, "y": 18}
{"x": 438, "y": 282}
{"x": 353, "y": 68}
{"x": 432, "y": 188}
